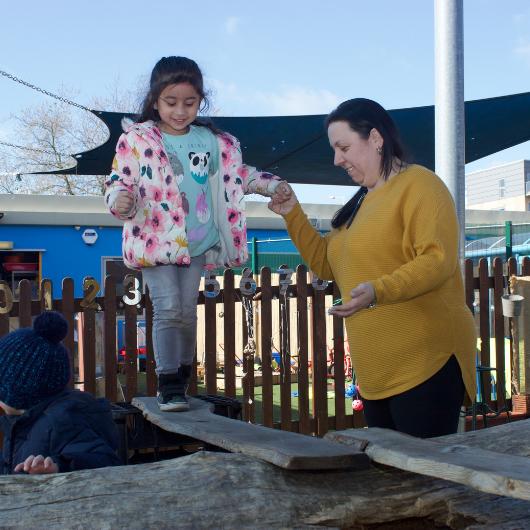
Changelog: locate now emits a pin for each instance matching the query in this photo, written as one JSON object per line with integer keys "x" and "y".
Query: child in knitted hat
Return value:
{"x": 49, "y": 428}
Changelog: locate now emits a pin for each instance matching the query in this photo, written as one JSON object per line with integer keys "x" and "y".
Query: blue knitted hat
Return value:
{"x": 34, "y": 365}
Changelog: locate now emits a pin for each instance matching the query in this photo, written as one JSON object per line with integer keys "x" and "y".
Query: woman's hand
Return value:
{"x": 37, "y": 465}
{"x": 362, "y": 297}
{"x": 283, "y": 199}
{"x": 124, "y": 202}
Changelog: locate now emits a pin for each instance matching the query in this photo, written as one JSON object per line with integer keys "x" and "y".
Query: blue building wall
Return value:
{"x": 66, "y": 255}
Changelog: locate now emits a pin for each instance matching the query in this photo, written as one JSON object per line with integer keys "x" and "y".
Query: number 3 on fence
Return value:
{"x": 132, "y": 294}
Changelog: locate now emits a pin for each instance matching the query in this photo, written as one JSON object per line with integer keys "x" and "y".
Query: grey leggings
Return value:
{"x": 174, "y": 290}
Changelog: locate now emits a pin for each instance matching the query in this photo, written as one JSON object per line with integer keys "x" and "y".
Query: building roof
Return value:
{"x": 91, "y": 211}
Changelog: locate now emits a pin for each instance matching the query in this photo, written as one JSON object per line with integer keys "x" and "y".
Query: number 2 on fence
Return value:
{"x": 91, "y": 288}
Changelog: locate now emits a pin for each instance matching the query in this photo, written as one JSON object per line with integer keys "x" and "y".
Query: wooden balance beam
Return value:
{"x": 284, "y": 449}
{"x": 482, "y": 468}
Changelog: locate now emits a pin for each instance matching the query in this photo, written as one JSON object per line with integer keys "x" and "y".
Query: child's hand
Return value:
{"x": 124, "y": 202}
{"x": 37, "y": 465}
{"x": 283, "y": 199}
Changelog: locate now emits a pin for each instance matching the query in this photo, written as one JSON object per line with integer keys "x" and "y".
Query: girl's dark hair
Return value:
{"x": 171, "y": 71}
{"x": 363, "y": 115}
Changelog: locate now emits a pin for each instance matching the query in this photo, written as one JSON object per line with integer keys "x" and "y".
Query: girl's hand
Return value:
{"x": 37, "y": 465}
{"x": 283, "y": 199}
{"x": 362, "y": 297}
{"x": 124, "y": 202}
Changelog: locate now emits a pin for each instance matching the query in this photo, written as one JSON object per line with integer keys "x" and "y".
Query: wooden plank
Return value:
{"x": 87, "y": 330}
{"x": 6, "y": 307}
{"x": 46, "y": 295}
{"x": 338, "y": 360}
{"x": 281, "y": 448}
{"x": 248, "y": 357}
{"x": 229, "y": 337}
{"x": 150, "y": 364}
{"x": 499, "y": 323}
{"x": 210, "y": 344}
{"x": 303, "y": 349}
{"x": 485, "y": 328}
{"x": 24, "y": 315}
{"x": 482, "y": 469}
{"x": 512, "y": 271}
{"x": 131, "y": 351}
{"x": 109, "y": 340}
{"x": 525, "y": 268}
{"x": 469, "y": 285}
{"x": 68, "y": 311}
{"x": 511, "y": 438}
{"x": 266, "y": 346}
{"x": 320, "y": 393}
{"x": 193, "y": 388}
{"x": 512, "y": 267}
{"x": 285, "y": 357}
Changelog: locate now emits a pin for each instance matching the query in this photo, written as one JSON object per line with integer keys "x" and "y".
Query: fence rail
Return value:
{"x": 94, "y": 319}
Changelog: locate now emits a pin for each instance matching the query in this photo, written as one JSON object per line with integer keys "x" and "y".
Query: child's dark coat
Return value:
{"x": 72, "y": 427}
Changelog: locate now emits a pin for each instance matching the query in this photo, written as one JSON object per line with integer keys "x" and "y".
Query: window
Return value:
{"x": 502, "y": 188}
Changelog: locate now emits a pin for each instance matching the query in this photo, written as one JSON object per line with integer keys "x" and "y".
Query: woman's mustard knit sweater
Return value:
{"x": 404, "y": 240}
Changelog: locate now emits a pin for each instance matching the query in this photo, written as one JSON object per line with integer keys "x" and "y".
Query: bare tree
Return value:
{"x": 54, "y": 130}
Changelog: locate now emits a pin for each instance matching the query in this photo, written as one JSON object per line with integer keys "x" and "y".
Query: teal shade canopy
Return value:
{"x": 297, "y": 148}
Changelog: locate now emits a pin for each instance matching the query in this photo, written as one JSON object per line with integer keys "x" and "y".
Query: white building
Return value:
{"x": 505, "y": 187}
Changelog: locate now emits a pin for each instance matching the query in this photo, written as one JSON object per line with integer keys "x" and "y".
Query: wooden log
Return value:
{"x": 221, "y": 490}
{"x": 284, "y": 449}
{"x": 483, "y": 469}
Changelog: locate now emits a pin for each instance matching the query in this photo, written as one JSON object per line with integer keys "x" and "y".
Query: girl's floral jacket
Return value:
{"x": 154, "y": 231}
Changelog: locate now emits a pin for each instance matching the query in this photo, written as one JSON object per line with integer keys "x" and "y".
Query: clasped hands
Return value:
{"x": 282, "y": 200}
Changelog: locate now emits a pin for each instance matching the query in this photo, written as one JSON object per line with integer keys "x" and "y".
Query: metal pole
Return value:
{"x": 254, "y": 255}
{"x": 449, "y": 103}
{"x": 509, "y": 239}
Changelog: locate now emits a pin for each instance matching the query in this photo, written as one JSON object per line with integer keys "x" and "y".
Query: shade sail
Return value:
{"x": 297, "y": 149}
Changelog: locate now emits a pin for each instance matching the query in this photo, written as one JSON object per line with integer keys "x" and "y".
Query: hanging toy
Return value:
{"x": 357, "y": 405}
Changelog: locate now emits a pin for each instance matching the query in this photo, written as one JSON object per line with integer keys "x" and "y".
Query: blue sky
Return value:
{"x": 270, "y": 58}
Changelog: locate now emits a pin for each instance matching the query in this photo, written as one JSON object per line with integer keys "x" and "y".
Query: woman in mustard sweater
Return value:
{"x": 393, "y": 252}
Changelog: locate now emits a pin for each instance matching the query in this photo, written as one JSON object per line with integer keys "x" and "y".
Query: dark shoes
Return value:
{"x": 172, "y": 390}
{"x": 174, "y": 403}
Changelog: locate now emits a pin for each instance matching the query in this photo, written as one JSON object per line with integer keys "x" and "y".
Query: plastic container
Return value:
{"x": 512, "y": 305}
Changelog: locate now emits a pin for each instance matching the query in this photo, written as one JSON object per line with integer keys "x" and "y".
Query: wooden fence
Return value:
{"x": 483, "y": 288}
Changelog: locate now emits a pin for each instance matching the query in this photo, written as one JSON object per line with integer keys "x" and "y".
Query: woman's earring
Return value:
{"x": 379, "y": 150}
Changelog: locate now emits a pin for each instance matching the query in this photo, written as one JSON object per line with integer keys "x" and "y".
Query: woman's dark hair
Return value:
{"x": 363, "y": 115}
{"x": 171, "y": 71}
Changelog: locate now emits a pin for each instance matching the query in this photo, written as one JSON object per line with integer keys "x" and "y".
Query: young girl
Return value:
{"x": 179, "y": 184}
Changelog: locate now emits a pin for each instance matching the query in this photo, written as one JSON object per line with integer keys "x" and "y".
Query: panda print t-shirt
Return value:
{"x": 194, "y": 156}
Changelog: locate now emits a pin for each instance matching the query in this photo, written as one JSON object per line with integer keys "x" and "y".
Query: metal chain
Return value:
{"x": 42, "y": 91}
{"x": 35, "y": 149}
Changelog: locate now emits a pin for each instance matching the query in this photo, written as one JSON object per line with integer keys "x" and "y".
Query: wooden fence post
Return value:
{"x": 303, "y": 343}
{"x": 266, "y": 347}
{"x": 320, "y": 390}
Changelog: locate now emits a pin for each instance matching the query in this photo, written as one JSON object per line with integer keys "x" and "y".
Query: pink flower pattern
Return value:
{"x": 155, "y": 232}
